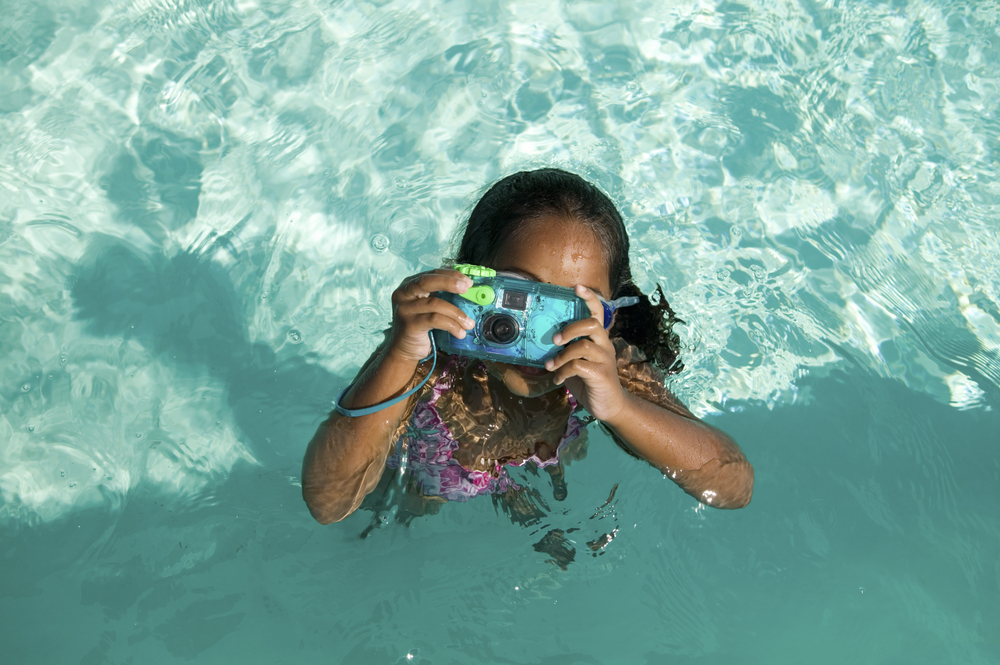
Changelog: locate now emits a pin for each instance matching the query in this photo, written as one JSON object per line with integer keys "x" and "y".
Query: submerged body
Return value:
{"x": 464, "y": 430}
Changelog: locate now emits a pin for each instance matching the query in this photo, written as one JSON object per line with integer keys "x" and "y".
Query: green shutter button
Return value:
{"x": 481, "y": 295}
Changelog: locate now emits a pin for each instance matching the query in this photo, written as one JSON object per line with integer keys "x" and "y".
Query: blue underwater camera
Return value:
{"x": 515, "y": 317}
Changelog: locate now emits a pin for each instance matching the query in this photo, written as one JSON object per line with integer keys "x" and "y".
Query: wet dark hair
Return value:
{"x": 529, "y": 195}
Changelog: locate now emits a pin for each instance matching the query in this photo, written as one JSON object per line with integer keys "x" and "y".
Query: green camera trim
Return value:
{"x": 474, "y": 271}
{"x": 482, "y": 294}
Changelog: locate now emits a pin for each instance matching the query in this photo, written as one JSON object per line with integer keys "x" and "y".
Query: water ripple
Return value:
{"x": 807, "y": 182}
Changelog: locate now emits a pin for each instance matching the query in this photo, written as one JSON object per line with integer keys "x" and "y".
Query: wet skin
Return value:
{"x": 554, "y": 251}
{"x": 346, "y": 457}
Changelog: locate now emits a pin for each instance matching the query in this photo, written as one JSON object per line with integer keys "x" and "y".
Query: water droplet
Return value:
{"x": 138, "y": 435}
{"x": 747, "y": 184}
{"x": 31, "y": 428}
{"x": 72, "y": 485}
{"x": 62, "y": 473}
{"x": 26, "y": 387}
{"x": 400, "y": 183}
{"x": 63, "y": 359}
{"x": 380, "y": 242}
{"x": 736, "y": 231}
{"x": 294, "y": 336}
{"x": 520, "y": 401}
{"x": 383, "y": 519}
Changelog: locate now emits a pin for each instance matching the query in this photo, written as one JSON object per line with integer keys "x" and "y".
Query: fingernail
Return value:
{"x": 548, "y": 365}
{"x": 469, "y": 323}
{"x": 557, "y": 339}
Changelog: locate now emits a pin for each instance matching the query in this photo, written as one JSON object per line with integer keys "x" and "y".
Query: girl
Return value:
{"x": 472, "y": 419}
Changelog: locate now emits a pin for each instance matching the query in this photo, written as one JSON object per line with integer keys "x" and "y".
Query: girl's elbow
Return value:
{"x": 740, "y": 488}
{"x": 729, "y": 487}
{"x": 325, "y": 511}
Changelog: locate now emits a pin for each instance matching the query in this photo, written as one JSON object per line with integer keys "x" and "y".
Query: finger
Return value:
{"x": 584, "y": 369}
{"x": 424, "y": 284}
{"x": 427, "y": 321}
{"x": 582, "y": 350}
{"x": 413, "y": 311}
{"x": 589, "y": 328}
{"x": 593, "y": 302}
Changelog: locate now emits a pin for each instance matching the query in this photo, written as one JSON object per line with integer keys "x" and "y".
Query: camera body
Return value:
{"x": 515, "y": 318}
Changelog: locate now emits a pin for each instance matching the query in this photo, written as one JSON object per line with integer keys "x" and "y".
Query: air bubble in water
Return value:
{"x": 31, "y": 428}
{"x": 26, "y": 387}
{"x": 294, "y": 336}
{"x": 72, "y": 485}
{"x": 380, "y": 242}
{"x": 62, "y": 473}
{"x": 400, "y": 183}
{"x": 63, "y": 359}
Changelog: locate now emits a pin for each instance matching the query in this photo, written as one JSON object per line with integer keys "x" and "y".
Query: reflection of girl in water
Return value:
{"x": 472, "y": 420}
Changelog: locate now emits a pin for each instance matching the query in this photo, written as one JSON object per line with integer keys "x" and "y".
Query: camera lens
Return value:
{"x": 501, "y": 329}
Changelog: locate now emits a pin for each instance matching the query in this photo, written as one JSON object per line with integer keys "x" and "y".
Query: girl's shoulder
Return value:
{"x": 642, "y": 378}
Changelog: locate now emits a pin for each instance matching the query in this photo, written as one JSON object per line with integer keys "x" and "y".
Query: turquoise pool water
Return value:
{"x": 205, "y": 205}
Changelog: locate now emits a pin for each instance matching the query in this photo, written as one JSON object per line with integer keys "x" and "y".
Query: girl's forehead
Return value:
{"x": 557, "y": 251}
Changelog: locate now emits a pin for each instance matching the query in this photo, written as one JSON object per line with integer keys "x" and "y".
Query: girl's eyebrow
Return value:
{"x": 535, "y": 277}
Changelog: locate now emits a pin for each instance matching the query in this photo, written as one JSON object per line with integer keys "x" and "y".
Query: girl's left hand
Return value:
{"x": 588, "y": 366}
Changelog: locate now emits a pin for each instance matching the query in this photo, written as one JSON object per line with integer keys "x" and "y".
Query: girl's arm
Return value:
{"x": 627, "y": 395}
{"x": 346, "y": 456}
{"x": 655, "y": 426}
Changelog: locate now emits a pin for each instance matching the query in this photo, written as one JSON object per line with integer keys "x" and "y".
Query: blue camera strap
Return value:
{"x": 611, "y": 305}
{"x": 354, "y": 413}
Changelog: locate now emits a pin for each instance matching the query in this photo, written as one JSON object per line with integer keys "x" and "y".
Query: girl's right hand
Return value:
{"x": 415, "y": 312}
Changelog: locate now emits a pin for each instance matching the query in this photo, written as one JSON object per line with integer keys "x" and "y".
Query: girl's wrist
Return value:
{"x": 625, "y": 413}
{"x": 398, "y": 358}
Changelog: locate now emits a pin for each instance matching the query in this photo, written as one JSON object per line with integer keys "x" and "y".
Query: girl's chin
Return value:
{"x": 522, "y": 380}
{"x": 530, "y": 371}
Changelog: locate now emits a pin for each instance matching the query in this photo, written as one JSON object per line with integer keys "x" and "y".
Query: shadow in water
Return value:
{"x": 186, "y": 308}
{"x": 874, "y": 515}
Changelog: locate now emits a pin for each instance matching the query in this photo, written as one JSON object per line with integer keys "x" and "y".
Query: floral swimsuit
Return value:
{"x": 426, "y": 448}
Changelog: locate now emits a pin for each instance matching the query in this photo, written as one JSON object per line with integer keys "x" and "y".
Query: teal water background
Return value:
{"x": 204, "y": 207}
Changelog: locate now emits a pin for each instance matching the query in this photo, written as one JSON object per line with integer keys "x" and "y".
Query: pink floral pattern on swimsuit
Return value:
{"x": 429, "y": 448}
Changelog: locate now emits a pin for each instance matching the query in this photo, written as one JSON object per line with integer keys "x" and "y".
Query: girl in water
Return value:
{"x": 473, "y": 419}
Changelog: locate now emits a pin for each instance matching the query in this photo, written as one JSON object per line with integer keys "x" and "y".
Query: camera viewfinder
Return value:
{"x": 515, "y": 300}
